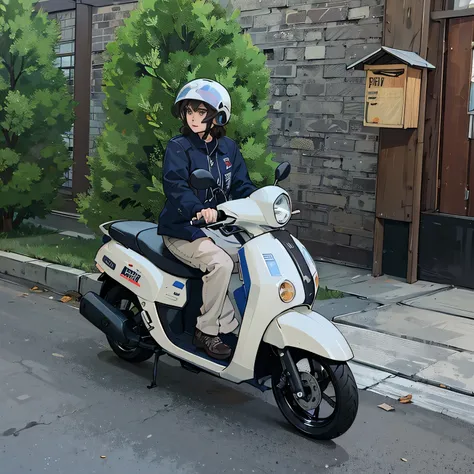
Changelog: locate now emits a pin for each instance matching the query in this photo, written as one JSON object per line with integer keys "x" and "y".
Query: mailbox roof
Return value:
{"x": 386, "y": 55}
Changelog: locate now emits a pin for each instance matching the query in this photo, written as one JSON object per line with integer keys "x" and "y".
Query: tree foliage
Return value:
{"x": 35, "y": 111}
{"x": 163, "y": 45}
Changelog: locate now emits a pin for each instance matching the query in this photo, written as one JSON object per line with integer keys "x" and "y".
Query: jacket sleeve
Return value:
{"x": 241, "y": 185}
{"x": 175, "y": 182}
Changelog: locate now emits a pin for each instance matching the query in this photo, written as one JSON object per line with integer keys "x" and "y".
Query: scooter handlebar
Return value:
{"x": 221, "y": 216}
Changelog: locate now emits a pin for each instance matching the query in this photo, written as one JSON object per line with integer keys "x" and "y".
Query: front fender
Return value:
{"x": 304, "y": 329}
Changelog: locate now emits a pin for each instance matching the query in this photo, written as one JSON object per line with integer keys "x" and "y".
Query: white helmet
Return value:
{"x": 211, "y": 93}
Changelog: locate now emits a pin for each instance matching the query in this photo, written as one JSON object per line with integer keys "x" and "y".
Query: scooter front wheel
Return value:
{"x": 327, "y": 384}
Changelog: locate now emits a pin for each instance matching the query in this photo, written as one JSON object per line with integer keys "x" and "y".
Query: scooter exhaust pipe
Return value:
{"x": 111, "y": 321}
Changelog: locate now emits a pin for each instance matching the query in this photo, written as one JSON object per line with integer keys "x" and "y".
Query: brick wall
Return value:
{"x": 316, "y": 111}
{"x": 317, "y": 115}
{"x": 104, "y": 22}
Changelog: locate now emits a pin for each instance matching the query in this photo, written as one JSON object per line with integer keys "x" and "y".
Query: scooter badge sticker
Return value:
{"x": 132, "y": 276}
{"x": 272, "y": 265}
{"x": 227, "y": 163}
{"x": 108, "y": 262}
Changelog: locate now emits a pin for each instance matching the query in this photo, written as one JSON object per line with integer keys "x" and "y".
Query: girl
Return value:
{"x": 204, "y": 106}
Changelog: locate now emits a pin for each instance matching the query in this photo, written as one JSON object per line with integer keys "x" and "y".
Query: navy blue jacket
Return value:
{"x": 183, "y": 155}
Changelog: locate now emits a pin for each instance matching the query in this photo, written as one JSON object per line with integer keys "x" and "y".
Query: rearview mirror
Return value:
{"x": 202, "y": 179}
{"x": 282, "y": 172}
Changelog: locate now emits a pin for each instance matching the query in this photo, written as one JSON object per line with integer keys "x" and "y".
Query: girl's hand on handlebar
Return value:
{"x": 209, "y": 215}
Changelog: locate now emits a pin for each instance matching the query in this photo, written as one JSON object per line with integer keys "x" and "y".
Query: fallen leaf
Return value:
{"x": 66, "y": 299}
{"x": 404, "y": 460}
{"x": 36, "y": 289}
{"x": 442, "y": 385}
{"x": 405, "y": 399}
{"x": 386, "y": 407}
{"x": 55, "y": 354}
{"x": 103, "y": 457}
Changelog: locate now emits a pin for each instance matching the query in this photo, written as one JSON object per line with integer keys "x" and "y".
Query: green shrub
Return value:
{"x": 163, "y": 45}
{"x": 36, "y": 110}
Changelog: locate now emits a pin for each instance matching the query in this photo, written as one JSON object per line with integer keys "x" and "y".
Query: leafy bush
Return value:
{"x": 36, "y": 109}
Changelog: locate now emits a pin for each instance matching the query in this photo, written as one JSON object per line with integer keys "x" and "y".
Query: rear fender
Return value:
{"x": 107, "y": 284}
{"x": 304, "y": 329}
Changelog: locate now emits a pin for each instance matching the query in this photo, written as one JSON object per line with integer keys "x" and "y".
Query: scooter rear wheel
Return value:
{"x": 320, "y": 378}
{"x": 127, "y": 302}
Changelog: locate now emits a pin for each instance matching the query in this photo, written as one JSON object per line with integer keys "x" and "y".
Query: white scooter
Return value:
{"x": 149, "y": 302}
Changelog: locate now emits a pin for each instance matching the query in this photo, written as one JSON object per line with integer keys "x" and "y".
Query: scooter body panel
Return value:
{"x": 304, "y": 329}
{"x": 265, "y": 265}
{"x": 140, "y": 276}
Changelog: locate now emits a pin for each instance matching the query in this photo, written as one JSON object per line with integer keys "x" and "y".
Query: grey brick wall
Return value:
{"x": 317, "y": 115}
{"x": 104, "y": 22}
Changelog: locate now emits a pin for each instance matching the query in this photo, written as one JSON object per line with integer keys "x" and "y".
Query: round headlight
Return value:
{"x": 287, "y": 292}
{"x": 282, "y": 209}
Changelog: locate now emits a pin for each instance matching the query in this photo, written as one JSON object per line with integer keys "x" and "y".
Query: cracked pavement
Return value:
{"x": 68, "y": 404}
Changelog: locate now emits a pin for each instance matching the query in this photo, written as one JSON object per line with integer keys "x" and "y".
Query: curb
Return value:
{"x": 58, "y": 278}
{"x": 401, "y": 336}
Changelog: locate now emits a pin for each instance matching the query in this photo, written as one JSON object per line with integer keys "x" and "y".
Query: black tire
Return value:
{"x": 346, "y": 404}
{"x": 116, "y": 296}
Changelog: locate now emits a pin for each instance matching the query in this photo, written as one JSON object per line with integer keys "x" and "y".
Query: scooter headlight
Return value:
{"x": 287, "y": 292}
{"x": 282, "y": 209}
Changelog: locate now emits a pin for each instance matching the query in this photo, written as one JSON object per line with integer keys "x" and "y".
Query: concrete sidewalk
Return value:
{"x": 422, "y": 332}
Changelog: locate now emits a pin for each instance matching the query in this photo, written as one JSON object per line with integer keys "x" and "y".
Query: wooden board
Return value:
{"x": 413, "y": 90}
{"x": 395, "y": 175}
{"x": 403, "y": 21}
{"x": 432, "y": 142}
{"x": 456, "y": 146}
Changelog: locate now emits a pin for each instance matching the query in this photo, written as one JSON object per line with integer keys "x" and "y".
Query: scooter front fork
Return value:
{"x": 290, "y": 371}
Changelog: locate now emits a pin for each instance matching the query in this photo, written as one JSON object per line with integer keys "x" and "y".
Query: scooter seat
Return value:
{"x": 143, "y": 238}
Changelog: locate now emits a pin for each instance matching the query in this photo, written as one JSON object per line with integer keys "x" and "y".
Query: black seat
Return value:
{"x": 126, "y": 232}
{"x": 142, "y": 237}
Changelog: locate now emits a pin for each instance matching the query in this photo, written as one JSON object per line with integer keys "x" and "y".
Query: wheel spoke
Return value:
{"x": 328, "y": 399}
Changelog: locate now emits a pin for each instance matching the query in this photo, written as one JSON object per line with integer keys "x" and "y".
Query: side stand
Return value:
{"x": 158, "y": 354}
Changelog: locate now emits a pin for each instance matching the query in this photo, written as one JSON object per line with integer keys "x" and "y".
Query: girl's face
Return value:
{"x": 195, "y": 119}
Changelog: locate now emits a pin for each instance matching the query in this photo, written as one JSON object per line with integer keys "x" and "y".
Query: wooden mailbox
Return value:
{"x": 392, "y": 88}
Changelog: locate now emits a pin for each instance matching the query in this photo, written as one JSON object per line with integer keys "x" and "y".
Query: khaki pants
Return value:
{"x": 217, "y": 310}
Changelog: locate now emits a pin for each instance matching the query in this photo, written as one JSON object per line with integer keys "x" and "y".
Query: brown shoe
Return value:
{"x": 213, "y": 345}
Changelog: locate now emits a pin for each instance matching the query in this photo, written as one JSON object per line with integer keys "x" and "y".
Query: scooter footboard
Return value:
{"x": 304, "y": 329}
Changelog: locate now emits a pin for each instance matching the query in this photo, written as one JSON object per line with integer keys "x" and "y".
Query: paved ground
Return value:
{"x": 423, "y": 331}
{"x": 66, "y": 400}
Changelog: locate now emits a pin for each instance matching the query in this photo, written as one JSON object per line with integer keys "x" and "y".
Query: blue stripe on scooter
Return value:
{"x": 245, "y": 271}
{"x": 241, "y": 294}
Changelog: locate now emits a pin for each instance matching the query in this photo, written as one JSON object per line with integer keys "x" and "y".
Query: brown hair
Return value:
{"x": 217, "y": 131}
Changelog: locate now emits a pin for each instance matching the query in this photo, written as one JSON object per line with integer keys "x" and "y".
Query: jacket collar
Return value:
{"x": 200, "y": 143}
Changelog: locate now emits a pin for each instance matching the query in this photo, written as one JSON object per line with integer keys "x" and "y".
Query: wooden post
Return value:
{"x": 82, "y": 95}
{"x": 414, "y": 232}
{"x": 434, "y": 111}
{"x": 400, "y": 162}
{"x": 378, "y": 247}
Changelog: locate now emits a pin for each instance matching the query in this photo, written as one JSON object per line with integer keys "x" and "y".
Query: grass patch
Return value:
{"x": 28, "y": 230}
{"x": 327, "y": 294}
{"x": 49, "y": 245}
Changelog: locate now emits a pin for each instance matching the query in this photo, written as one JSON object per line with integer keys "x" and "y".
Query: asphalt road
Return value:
{"x": 66, "y": 400}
